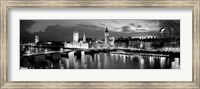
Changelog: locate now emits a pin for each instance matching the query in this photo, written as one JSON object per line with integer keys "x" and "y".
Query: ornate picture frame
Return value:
{"x": 4, "y": 44}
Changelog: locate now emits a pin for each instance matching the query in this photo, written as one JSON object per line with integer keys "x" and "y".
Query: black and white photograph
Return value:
{"x": 100, "y": 44}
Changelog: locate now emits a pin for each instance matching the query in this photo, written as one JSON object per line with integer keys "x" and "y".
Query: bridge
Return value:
{"x": 105, "y": 50}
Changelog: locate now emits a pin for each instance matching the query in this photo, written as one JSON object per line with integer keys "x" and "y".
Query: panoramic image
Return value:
{"x": 100, "y": 44}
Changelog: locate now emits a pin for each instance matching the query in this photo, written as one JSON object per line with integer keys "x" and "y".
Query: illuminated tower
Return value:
{"x": 106, "y": 37}
{"x": 75, "y": 36}
{"x": 84, "y": 38}
{"x": 112, "y": 41}
{"x": 36, "y": 39}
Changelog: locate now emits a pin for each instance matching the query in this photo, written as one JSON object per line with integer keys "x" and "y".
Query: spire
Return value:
{"x": 84, "y": 38}
{"x": 36, "y": 38}
{"x": 106, "y": 29}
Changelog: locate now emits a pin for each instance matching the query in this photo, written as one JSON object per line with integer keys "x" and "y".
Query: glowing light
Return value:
{"x": 28, "y": 52}
{"x": 61, "y": 49}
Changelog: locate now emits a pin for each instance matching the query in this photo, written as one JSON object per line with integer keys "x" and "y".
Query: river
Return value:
{"x": 119, "y": 61}
{"x": 113, "y": 60}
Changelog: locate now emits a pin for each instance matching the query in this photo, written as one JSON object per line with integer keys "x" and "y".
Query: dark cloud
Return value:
{"x": 90, "y": 26}
{"x": 56, "y": 33}
{"x": 126, "y": 29}
{"x": 172, "y": 23}
{"x": 152, "y": 33}
{"x": 61, "y": 33}
{"x": 141, "y": 29}
{"x": 139, "y": 26}
{"x": 135, "y": 25}
{"x": 25, "y": 35}
{"x": 132, "y": 24}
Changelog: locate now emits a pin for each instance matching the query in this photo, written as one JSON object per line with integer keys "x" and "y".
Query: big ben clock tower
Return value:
{"x": 106, "y": 37}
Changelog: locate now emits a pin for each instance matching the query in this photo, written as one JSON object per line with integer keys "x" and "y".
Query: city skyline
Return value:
{"x": 62, "y": 30}
{"x": 100, "y": 44}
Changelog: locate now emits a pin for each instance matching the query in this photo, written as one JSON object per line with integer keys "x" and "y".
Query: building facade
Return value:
{"x": 108, "y": 42}
{"x": 75, "y": 36}
{"x": 76, "y": 43}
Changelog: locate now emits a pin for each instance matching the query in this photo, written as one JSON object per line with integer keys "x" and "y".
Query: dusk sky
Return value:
{"x": 61, "y": 30}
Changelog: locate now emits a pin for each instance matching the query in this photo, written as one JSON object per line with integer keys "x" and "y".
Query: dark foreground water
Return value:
{"x": 119, "y": 61}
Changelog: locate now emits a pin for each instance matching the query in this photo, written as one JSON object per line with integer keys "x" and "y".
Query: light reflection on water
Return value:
{"x": 115, "y": 61}
{"x": 118, "y": 61}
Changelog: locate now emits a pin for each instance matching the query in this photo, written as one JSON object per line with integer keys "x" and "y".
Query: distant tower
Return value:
{"x": 141, "y": 45}
{"x": 75, "y": 36}
{"x": 106, "y": 37}
{"x": 36, "y": 39}
{"x": 84, "y": 38}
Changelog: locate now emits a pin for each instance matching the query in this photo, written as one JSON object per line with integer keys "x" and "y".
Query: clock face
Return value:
{"x": 106, "y": 34}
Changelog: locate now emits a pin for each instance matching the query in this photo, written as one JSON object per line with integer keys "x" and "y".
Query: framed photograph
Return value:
{"x": 100, "y": 44}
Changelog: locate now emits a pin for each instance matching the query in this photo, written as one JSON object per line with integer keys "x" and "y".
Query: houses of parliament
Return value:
{"x": 83, "y": 43}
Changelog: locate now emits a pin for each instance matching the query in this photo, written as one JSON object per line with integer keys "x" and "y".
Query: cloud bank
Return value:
{"x": 61, "y": 30}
